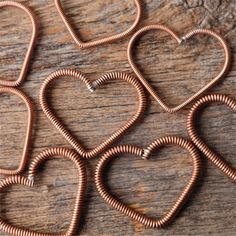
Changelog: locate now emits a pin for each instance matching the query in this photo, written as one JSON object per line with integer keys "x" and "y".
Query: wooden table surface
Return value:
{"x": 176, "y": 71}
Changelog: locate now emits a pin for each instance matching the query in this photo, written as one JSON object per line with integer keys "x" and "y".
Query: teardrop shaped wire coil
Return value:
{"x": 26, "y": 62}
{"x": 25, "y": 153}
{"x": 192, "y": 131}
{"x": 98, "y": 42}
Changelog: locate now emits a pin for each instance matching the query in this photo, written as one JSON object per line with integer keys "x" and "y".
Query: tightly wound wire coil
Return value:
{"x": 56, "y": 152}
{"x": 145, "y": 153}
{"x": 102, "y": 41}
{"x": 25, "y": 152}
{"x": 192, "y": 131}
{"x": 92, "y": 86}
{"x": 32, "y": 43}
{"x": 179, "y": 40}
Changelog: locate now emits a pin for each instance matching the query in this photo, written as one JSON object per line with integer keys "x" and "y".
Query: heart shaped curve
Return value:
{"x": 32, "y": 43}
{"x": 92, "y": 86}
{"x": 21, "y": 180}
{"x": 179, "y": 41}
{"x": 102, "y": 41}
{"x": 25, "y": 153}
{"x": 208, "y": 152}
{"x": 145, "y": 153}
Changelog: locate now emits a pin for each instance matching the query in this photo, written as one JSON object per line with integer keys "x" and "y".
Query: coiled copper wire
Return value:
{"x": 145, "y": 153}
{"x": 92, "y": 86}
{"x": 26, "y": 147}
{"x": 179, "y": 40}
{"x": 57, "y": 152}
{"x": 32, "y": 43}
{"x": 102, "y": 41}
{"x": 192, "y": 131}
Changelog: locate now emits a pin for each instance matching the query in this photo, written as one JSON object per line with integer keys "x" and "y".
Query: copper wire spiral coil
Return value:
{"x": 56, "y": 152}
{"x": 179, "y": 40}
{"x": 32, "y": 43}
{"x": 92, "y": 86}
{"x": 208, "y": 152}
{"x": 145, "y": 154}
{"x": 25, "y": 152}
{"x": 102, "y": 41}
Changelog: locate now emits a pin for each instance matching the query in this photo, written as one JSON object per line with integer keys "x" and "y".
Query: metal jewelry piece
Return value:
{"x": 189, "y": 35}
{"x": 25, "y": 153}
{"x": 92, "y": 86}
{"x": 50, "y": 153}
{"x": 208, "y": 152}
{"x": 32, "y": 43}
{"x": 145, "y": 153}
{"x": 98, "y": 42}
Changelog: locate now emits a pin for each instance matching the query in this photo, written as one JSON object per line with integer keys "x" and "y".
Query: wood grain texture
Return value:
{"x": 150, "y": 186}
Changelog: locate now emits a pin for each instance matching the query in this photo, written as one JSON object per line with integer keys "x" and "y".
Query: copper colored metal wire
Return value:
{"x": 102, "y": 41}
{"x": 192, "y": 131}
{"x": 25, "y": 153}
{"x": 29, "y": 182}
{"x": 145, "y": 153}
{"x": 179, "y": 40}
{"x": 32, "y": 43}
{"x": 92, "y": 86}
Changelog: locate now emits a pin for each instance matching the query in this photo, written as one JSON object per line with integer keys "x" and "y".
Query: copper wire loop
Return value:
{"x": 32, "y": 43}
{"x": 192, "y": 131}
{"x": 102, "y": 41}
{"x": 25, "y": 153}
{"x": 179, "y": 40}
{"x": 145, "y": 153}
{"x": 92, "y": 86}
{"x": 56, "y": 152}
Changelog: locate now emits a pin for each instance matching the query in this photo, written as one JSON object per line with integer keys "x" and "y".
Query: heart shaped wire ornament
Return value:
{"x": 32, "y": 43}
{"x": 179, "y": 40}
{"x": 102, "y": 41}
{"x": 25, "y": 153}
{"x": 192, "y": 131}
{"x": 92, "y": 86}
{"x": 56, "y": 152}
{"x": 145, "y": 154}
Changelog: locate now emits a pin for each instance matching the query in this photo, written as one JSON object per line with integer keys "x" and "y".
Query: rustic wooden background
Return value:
{"x": 150, "y": 186}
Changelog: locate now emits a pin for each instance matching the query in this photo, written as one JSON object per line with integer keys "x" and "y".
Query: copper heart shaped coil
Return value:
{"x": 179, "y": 40}
{"x": 145, "y": 153}
{"x": 50, "y": 153}
{"x": 32, "y": 43}
{"x": 192, "y": 131}
{"x": 92, "y": 86}
{"x": 98, "y": 42}
{"x": 25, "y": 153}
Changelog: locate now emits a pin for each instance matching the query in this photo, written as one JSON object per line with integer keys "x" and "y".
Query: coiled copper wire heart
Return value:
{"x": 145, "y": 153}
{"x": 102, "y": 41}
{"x": 32, "y": 43}
{"x": 92, "y": 86}
{"x": 28, "y": 103}
{"x": 192, "y": 131}
{"x": 28, "y": 182}
{"x": 179, "y": 41}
